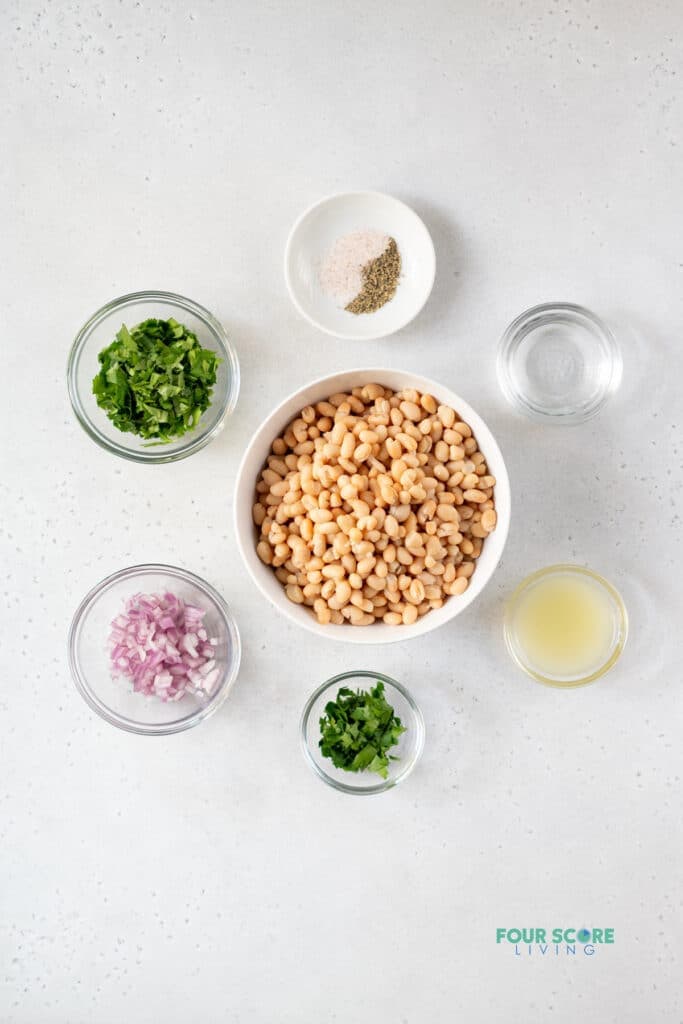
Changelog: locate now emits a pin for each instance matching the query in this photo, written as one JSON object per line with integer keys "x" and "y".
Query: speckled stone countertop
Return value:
{"x": 210, "y": 875}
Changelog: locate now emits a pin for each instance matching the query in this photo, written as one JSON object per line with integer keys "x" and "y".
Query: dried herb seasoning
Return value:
{"x": 380, "y": 280}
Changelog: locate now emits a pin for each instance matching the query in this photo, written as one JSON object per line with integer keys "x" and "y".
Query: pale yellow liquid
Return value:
{"x": 564, "y": 624}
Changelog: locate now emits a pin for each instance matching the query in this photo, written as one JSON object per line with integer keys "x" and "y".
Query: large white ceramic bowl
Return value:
{"x": 259, "y": 449}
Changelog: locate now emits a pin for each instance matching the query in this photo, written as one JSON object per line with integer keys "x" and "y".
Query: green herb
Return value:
{"x": 380, "y": 281}
{"x": 358, "y": 729}
{"x": 155, "y": 380}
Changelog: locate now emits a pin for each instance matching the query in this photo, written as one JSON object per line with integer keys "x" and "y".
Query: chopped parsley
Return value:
{"x": 155, "y": 380}
{"x": 357, "y": 730}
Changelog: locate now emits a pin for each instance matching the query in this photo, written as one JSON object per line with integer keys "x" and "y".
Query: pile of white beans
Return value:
{"x": 374, "y": 506}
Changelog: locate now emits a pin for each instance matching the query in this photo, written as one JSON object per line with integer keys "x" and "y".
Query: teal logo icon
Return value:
{"x": 554, "y": 941}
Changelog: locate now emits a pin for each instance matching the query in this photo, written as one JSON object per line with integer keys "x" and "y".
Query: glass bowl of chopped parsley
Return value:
{"x": 152, "y": 377}
{"x": 362, "y": 732}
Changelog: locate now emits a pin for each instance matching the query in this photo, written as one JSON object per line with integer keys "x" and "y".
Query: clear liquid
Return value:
{"x": 560, "y": 367}
{"x": 564, "y": 625}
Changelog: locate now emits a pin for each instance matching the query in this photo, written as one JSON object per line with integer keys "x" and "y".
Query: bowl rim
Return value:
{"x": 368, "y": 635}
{"x": 385, "y": 784}
{"x": 552, "y": 570}
{"x": 354, "y": 193}
{"x": 196, "y": 440}
{"x": 532, "y": 318}
{"x": 129, "y": 724}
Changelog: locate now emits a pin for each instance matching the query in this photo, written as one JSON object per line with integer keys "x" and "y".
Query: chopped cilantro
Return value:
{"x": 357, "y": 730}
{"x": 155, "y": 380}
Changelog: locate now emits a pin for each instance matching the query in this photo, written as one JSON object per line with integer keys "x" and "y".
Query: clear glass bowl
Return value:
{"x": 558, "y": 363}
{"x": 100, "y": 331}
{"x": 407, "y": 750}
{"x": 114, "y": 699}
{"x": 608, "y": 604}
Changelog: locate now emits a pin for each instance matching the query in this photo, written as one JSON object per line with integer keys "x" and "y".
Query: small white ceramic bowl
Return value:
{"x": 259, "y": 449}
{"x": 315, "y": 233}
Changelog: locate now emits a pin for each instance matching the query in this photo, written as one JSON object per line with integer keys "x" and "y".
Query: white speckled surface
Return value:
{"x": 211, "y": 876}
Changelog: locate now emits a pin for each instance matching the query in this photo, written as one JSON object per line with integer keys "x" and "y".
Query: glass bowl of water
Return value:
{"x": 559, "y": 363}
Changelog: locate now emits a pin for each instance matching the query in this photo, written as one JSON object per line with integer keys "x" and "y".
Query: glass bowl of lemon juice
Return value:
{"x": 565, "y": 625}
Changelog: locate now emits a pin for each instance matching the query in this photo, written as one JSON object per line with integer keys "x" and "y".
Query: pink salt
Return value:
{"x": 341, "y": 273}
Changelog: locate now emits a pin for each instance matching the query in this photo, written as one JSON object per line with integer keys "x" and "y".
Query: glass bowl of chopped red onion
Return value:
{"x": 154, "y": 649}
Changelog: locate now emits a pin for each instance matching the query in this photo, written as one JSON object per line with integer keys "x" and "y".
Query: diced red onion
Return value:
{"x": 161, "y": 646}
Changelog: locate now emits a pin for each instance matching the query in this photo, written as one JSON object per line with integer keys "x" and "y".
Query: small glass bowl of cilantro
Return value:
{"x": 362, "y": 732}
{"x": 152, "y": 377}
